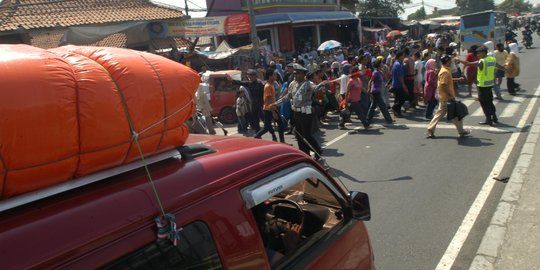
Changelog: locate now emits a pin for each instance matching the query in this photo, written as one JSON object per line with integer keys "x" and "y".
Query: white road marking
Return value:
{"x": 468, "y": 102}
{"x": 336, "y": 139}
{"x": 512, "y": 108}
{"x": 478, "y": 112}
{"x": 490, "y": 129}
{"x": 464, "y": 229}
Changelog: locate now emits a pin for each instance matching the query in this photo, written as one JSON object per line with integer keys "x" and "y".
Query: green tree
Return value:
{"x": 536, "y": 8}
{"x": 381, "y": 8}
{"x": 418, "y": 15}
{"x": 513, "y": 6}
{"x": 471, "y": 6}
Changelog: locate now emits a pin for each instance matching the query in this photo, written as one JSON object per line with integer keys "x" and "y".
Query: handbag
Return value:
{"x": 345, "y": 113}
{"x": 275, "y": 116}
{"x": 456, "y": 108}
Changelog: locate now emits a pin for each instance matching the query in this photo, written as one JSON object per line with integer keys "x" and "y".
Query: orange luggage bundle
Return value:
{"x": 71, "y": 111}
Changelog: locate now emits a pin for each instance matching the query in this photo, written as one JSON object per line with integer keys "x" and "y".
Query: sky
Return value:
{"x": 441, "y": 4}
{"x": 192, "y": 4}
{"x": 410, "y": 8}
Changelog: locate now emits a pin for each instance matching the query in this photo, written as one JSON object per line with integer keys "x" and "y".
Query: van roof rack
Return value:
{"x": 26, "y": 198}
{"x": 186, "y": 152}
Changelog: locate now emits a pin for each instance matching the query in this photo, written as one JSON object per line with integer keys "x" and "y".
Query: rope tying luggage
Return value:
{"x": 167, "y": 228}
{"x": 165, "y": 222}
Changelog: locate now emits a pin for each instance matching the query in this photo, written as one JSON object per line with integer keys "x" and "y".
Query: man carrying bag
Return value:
{"x": 445, "y": 85}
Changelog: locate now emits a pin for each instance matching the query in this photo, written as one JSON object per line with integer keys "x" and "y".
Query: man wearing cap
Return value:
{"x": 255, "y": 88}
{"x": 300, "y": 93}
{"x": 289, "y": 76}
{"x": 445, "y": 85}
{"x": 486, "y": 81}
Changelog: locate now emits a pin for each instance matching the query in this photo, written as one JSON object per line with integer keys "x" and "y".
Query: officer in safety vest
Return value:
{"x": 485, "y": 82}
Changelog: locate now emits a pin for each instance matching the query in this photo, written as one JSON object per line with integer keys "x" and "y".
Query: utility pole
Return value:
{"x": 253, "y": 31}
{"x": 187, "y": 9}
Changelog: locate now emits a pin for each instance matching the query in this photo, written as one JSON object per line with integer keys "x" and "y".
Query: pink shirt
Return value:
{"x": 355, "y": 89}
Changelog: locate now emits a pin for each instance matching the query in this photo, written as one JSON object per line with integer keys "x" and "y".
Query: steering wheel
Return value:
{"x": 278, "y": 220}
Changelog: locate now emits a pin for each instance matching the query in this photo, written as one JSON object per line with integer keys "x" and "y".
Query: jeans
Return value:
{"x": 399, "y": 99}
{"x": 431, "y": 105}
{"x": 410, "y": 88}
{"x": 497, "y": 90}
{"x": 268, "y": 119}
{"x": 365, "y": 102}
{"x": 385, "y": 96}
{"x": 242, "y": 124}
{"x": 378, "y": 101}
{"x": 256, "y": 115}
{"x": 356, "y": 107}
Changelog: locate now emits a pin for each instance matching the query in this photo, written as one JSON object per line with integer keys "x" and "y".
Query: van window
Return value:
{"x": 225, "y": 85}
{"x": 301, "y": 207}
{"x": 194, "y": 250}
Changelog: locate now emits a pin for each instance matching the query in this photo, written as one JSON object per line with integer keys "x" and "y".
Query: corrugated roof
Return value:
{"x": 35, "y": 14}
{"x": 51, "y": 39}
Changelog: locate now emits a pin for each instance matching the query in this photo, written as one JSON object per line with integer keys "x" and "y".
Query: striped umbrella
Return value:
{"x": 328, "y": 45}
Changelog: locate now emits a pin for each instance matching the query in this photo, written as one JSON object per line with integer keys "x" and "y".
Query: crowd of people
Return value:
{"x": 297, "y": 97}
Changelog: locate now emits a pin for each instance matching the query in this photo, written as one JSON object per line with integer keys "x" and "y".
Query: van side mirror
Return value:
{"x": 360, "y": 205}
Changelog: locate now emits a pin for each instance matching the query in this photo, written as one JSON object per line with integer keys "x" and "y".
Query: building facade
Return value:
{"x": 292, "y": 25}
{"x": 44, "y": 23}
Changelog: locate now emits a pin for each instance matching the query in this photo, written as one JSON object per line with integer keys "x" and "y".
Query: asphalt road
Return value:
{"x": 421, "y": 189}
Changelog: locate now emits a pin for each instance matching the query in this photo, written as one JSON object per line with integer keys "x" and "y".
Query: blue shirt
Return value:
{"x": 377, "y": 83}
{"x": 397, "y": 73}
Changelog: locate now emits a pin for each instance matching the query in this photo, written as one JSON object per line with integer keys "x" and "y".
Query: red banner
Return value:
{"x": 199, "y": 27}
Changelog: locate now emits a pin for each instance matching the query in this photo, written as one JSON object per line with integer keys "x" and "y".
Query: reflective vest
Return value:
{"x": 486, "y": 76}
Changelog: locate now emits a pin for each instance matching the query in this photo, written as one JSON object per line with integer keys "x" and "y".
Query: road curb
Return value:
{"x": 489, "y": 250}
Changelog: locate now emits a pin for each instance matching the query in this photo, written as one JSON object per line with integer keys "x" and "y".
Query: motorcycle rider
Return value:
{"x": 510, "y": 36}
{"x": 533, "y": 25}
{"x": 527, "y": 36}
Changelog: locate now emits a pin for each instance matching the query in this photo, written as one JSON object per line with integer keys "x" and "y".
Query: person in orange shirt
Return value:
{"x": 445, "y": 86}
{"x": 270, "y": 112}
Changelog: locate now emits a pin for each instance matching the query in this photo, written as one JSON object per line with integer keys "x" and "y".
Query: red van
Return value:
{"x": 238, "y": 203}
{"x": 222, "y": 93}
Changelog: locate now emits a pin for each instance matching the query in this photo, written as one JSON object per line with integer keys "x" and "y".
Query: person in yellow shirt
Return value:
{"x": 445, "y": 86}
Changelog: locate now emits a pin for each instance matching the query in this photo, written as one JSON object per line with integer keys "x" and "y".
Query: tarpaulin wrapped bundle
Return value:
{"x": 71, "y": 111}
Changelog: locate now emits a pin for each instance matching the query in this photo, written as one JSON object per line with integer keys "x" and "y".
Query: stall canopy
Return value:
{"x": 301, "y": 17}
{"x": 430, "y": 23}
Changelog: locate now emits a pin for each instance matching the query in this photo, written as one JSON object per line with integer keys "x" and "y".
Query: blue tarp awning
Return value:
{"x": 302, "y": 17}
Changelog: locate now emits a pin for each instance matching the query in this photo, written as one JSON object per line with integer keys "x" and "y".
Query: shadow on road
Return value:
{"x": 373, "y": 131}
{"x": 396, "y": 126}
{"x": 331, "y": 152}
{"x": 341, "y": 174}
{"x": 473, "y": 142}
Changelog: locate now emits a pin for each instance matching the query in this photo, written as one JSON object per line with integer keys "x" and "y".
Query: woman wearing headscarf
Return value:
{"x": 430, "y": 88}
{"x": 512, "y": 68}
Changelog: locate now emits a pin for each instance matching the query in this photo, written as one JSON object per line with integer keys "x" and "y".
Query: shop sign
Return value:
{"x": 200, "y": 27}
